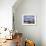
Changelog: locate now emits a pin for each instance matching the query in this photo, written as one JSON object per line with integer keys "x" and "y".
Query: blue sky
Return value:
{"x": 28, "y": 18}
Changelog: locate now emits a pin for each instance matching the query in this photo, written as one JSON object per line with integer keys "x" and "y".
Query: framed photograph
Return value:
{"x": 28, "y": 20}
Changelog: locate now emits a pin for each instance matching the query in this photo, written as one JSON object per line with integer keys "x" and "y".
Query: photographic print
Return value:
{"x": 28, "y": 20}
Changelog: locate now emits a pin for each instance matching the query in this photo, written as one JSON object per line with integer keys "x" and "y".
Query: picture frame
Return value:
{"x": 28, "y": 20}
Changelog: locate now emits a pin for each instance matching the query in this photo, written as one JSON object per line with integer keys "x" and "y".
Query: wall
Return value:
{"x": 43, "y": 22}
{"x": 32, "y": 32}
{"x": 6, "y": 13}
